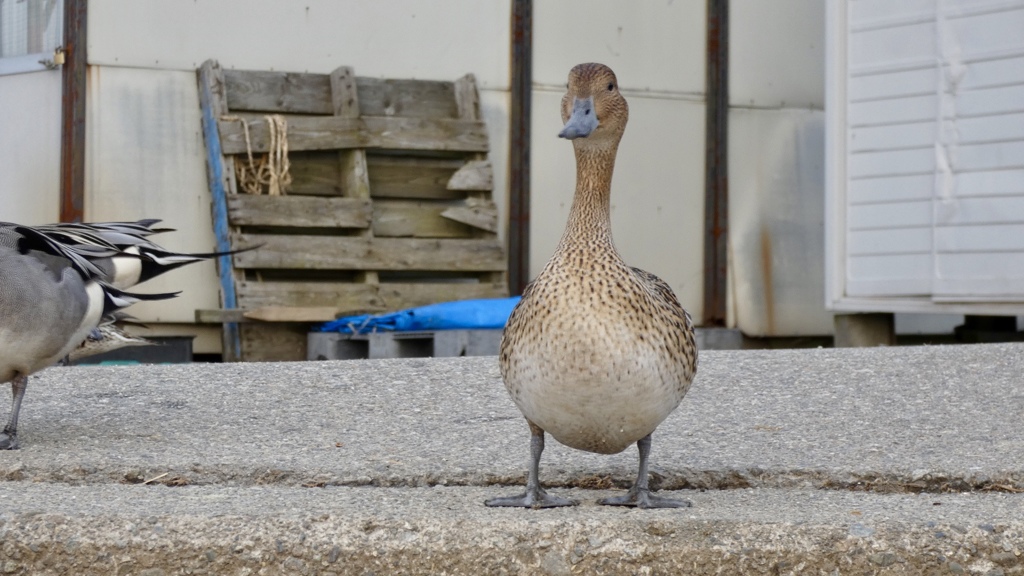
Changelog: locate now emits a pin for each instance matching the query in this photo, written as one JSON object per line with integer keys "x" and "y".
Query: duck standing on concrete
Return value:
{"x": 59, "y": 282}
{"x": 596, "y": 353}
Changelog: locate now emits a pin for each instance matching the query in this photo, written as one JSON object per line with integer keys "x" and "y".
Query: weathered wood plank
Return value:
{"x": 268, "y": 314}
{"x": 302, "y": 93}
{"x": 345, "y": 101}
{"x": 277, "y": 92}
{"x": 276, "y": 342}
{"x": 333, "y": 132}
{"x": 299, "y": 211}
{"x": 357, "y": 298}
{"x": 410, "y": 177}
{"x": 357, "y": 253}
{"x": 293, "y": 313}
{"x": 467, "y": 99}
{"x": 483, "y": 217}
{"x": 409, "y": 218}
{"x": 314, "y": 172}
{"x": 475, "y": 175}
{"x": 408, "y": 98}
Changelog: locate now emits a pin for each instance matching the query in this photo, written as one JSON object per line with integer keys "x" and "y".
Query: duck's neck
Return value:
{"x": 590, "y": 215}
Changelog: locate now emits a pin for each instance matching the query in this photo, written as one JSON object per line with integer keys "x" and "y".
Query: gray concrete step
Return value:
{"x": 807, "y": 458}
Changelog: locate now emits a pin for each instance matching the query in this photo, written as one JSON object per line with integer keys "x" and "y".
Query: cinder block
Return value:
{"x": 334, "y": 346}
{"x": 381, "y": 345}
{"x": 448, "y": 343}
{"x": 864, "y": 330}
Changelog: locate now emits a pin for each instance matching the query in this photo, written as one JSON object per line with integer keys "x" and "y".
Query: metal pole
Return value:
{"x": 72, "y": 149}
{"x": 519, "y": 147}
{"x": 716, "y": 176}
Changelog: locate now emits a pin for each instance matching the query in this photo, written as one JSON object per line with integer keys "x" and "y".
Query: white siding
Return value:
{"x": 30, "y": 147}
{"x": 927, "y": 161}
{"x": 979, "y": 246}
{"x": 658, "y": 53}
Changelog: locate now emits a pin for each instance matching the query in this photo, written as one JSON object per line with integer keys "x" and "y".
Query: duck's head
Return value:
{"x": 592, "y": 107}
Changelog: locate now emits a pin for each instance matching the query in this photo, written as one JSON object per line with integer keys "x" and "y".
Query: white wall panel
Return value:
{"x": 30, "y": 147}
{"x": 776, "y": 177}
{"x": 145, "y": 158}
{"x": 397, "y": 39}
{"x": 652, "y": 46}
{"x": 777, "y": 53}
{"x": 657, "y": 190}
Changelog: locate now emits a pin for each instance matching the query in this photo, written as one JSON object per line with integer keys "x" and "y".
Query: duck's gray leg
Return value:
{"x": 535, "y": 496}
{"x": 639, "y": 495}
{"x": 9, "y": 438}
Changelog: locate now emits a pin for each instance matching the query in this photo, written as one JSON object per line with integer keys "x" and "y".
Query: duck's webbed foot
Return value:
{"x": 536, "y": 498}
{"x": 8, "y": 440}
{"x": 9, "y": 437}
{"x": 640, "y": 495}
{"x": 644, "y": 499}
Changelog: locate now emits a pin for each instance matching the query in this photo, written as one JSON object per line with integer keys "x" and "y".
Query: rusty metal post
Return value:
{"x": 519, "y": 147}
{"x": 716, "y": 177}
{"x": 72, "y": 142}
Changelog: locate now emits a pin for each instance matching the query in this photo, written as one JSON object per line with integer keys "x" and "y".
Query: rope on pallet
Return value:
{"x": 271, "y": 171}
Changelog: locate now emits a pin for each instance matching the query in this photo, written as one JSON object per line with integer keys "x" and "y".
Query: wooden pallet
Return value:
{"x": 390, "y": 205}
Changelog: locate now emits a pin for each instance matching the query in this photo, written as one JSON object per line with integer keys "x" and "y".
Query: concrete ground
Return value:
{"x": 850, "y": 461}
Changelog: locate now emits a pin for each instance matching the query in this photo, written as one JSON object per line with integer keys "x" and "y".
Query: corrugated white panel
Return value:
{"x": 776, "y": 174}
{"x": 998, "y": 72}
{"x": 893, "y": 136}
{"x": 396, "y": 39}
{"x": 776, "y": 53}
{"x": 657, "y": 191}
{"x": 652, "y": 46}
{"x": 888, "y": 48}
{"x": 145, "y": 158}
{"x": 889, "y": 241}
{"x": 891, "y": 162}
{"x": 990, "y": 183}
{"x": 997, "y": 128}
{"x": 972, "y": 275}
{"x": 30, "y": 147}
{"x": 983, "y": 29}
{"x": 978, "y": 211}
{"x": 889, "y": 275}
{"x": 979, "y": 251}
{"x": 983, "y": 101}
{"x": 890, "y": 189}
{"x": 890, "y": 215}
{"x": 917, "y": 82}
{"x": 895, "y": 110}
{"x": 926, "y": 161}
{"x": 986, "y": 237}
{"x": 879, "y": 12}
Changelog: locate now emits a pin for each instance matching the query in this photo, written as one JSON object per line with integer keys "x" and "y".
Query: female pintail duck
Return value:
{"x": 60, "y": 282}
{"x": 596, "y": 353}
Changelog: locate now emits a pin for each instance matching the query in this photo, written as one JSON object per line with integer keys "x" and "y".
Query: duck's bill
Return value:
{"x": 583, "y": 120}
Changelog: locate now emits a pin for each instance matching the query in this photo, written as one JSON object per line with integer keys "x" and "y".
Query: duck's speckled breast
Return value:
{"x": 592, "y": 359}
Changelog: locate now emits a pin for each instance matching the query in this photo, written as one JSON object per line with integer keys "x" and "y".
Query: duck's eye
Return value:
{"x": 611, "y": 86}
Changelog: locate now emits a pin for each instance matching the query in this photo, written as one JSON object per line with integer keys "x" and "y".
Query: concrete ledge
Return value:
{"x": 155, "y": 530}
{"x": 854, "y": 461}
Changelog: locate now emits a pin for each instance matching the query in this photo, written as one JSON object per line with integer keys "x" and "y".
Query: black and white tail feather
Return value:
{"x": 60, "y": 283}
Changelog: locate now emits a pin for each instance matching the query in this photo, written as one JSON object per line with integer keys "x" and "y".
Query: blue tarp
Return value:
{"x": 491, "y": 313}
